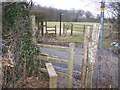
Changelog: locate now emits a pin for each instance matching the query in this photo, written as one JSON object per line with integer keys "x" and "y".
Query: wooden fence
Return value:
{"x": 71, "y": 51}
{"x": 49, "y": 29}
{"x": 81, "y": 26}
{"x": 67, "y": 27}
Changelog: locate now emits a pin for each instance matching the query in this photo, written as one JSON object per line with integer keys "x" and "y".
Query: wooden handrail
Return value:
{"x": 53, "y": 47}
{"x": 59, "y": 73}
{"x": 56, "y": 60}
{"x": 52, "y": 75}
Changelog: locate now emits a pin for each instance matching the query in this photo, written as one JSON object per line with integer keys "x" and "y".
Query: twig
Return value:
{"x": 24, "y": 67}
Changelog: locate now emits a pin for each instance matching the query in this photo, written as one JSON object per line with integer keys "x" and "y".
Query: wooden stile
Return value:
{"x": 70, "y": 61}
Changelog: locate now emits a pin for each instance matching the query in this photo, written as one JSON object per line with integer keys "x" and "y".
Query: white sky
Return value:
{"x": 86, "y": 5}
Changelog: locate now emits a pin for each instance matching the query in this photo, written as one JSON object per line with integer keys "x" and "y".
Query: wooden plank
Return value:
{"x": 62, "y": 74}
{"x": 59, "y": 73}
{"x": 51, "y": 70}
{"x": 83, "y": 24}
{"x": 70, "y": 64}
{"x": 53, "y": 47}
{"x": 52, "y": 75}
{"x": 51, "y": 27}
{"x": 50, "y": 59}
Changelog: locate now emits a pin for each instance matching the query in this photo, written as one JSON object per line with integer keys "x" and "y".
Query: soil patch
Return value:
{"x": 35, "y": 82}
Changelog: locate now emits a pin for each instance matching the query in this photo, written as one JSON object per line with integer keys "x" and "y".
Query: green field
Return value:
{"x": 81, "y": 23}
{"x": 78, "y": 37}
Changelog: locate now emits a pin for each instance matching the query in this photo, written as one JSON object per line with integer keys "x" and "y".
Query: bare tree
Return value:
{"x": 88, "y": 15}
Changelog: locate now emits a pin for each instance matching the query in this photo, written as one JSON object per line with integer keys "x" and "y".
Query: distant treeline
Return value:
{"x": 53, "y": 14}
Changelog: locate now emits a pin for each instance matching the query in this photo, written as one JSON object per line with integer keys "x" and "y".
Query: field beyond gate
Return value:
{"x": 77, "y": 37}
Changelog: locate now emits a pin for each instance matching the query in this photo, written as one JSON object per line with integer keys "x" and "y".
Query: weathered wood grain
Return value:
{"x": 52, "y": 75}
{"x": 70, "y": 64}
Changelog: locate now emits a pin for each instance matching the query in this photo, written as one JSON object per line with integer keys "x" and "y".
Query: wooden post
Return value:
{"x": 85, "y": 59}
{"x": 46, "y": 27}
{"x": 71, "y": 29}
{"x": 60, "y": 23}
{"x": 38, "y": 25}
{"x": 42, "y": 28}
{"x": 92, "y": 53}
{"x": 70, "y": 64}
{"x": 33, "y": 28}
{"x": 84, "y": 30}
{"x": 55, "y": 30}
{"x": 93, "y": 45}
{"x": 52, "y": 75}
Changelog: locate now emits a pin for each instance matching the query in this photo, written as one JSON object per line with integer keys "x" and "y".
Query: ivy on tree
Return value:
{"x": 16, "y": 25}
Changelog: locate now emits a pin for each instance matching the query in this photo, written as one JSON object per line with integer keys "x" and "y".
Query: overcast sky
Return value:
{"x": 86, "y": 5}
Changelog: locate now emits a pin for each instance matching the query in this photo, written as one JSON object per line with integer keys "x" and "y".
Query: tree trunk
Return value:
{"x": 85, "y": 59}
